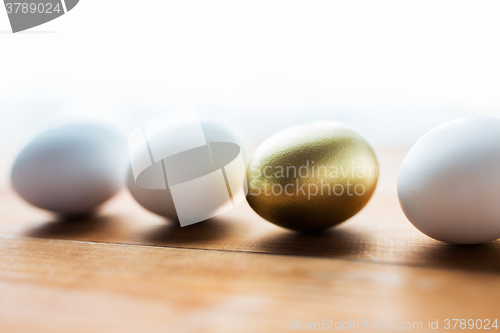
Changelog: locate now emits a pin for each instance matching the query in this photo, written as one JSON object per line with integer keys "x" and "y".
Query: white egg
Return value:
{"x": 160, "y": 201}
{"x": 449, "y": 182}
{"x": 72, "y": 168}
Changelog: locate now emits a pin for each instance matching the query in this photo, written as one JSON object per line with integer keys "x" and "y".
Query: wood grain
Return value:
{"x": 379, "y": 233}
{"x": 128, "y": 270}
{"x": 69, "y": 286}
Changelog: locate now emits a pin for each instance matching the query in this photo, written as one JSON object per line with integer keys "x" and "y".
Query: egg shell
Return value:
{"x": 71, "y": 168}
{"x": 448, "y": 184}
{"x": 312, "y": 176}
{"x": 161, "y": 202}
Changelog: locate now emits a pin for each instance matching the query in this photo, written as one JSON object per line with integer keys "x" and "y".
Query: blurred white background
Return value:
{"x": 393, "y": 69}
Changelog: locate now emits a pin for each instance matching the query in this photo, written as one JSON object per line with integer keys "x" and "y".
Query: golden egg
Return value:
{"x": 311, "y": 177}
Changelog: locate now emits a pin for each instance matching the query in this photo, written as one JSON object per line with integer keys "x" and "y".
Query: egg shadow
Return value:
{"x": 471, "y": 257}
{"x": 340, "y": 242}
{"x": 173, "y": 234}
{"x": 72, "y": 227}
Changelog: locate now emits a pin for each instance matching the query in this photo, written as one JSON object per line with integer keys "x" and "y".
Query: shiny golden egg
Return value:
{"x": 312, "y": 177}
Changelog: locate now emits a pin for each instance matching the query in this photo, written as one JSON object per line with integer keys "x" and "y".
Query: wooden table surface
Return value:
{"x": 128, "y": 270}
